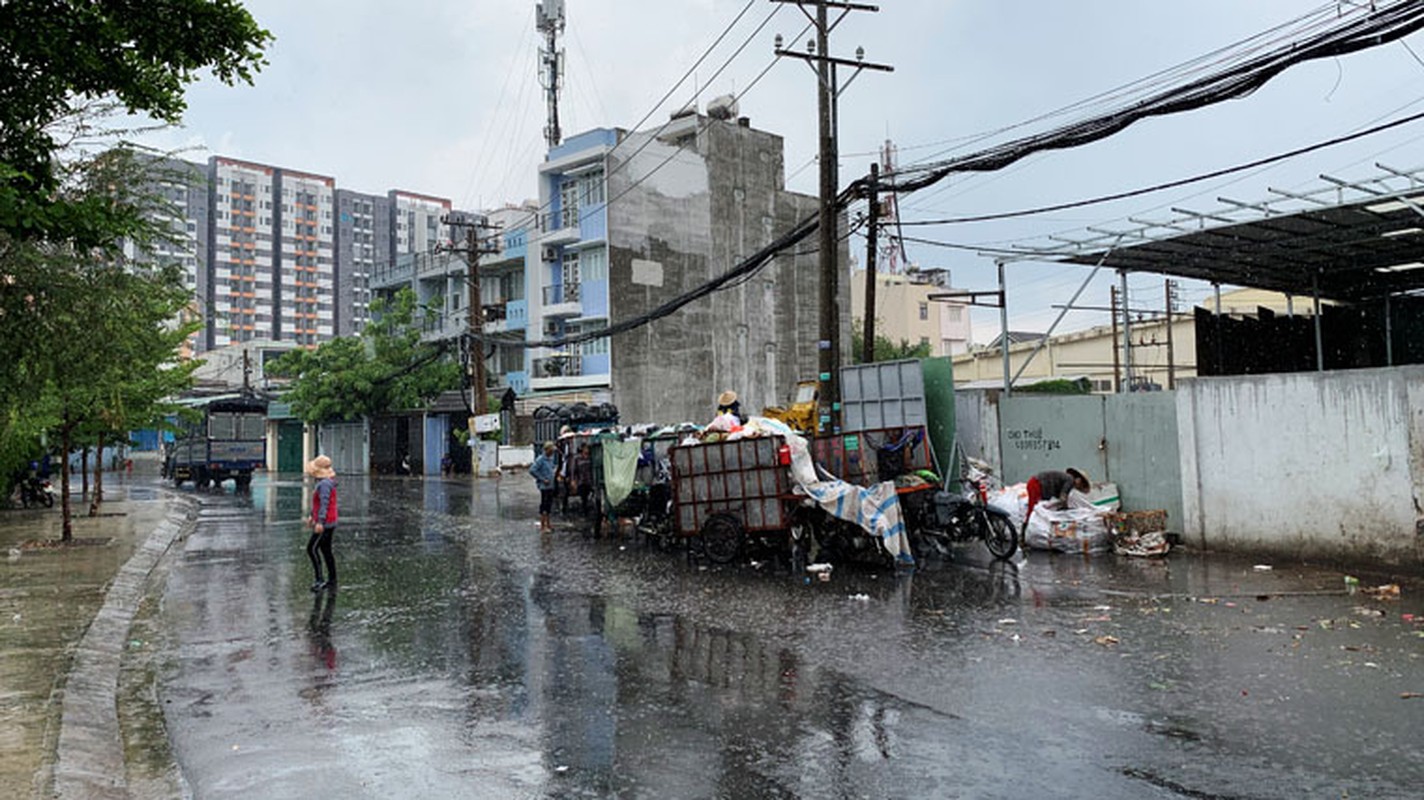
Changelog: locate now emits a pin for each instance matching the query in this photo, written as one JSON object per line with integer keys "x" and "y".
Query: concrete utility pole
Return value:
{"x": 1171, "y": 319}
{"x": 818, "y": 55}
{"x": 478, "y": 241}
{"x": 873, "y": 221}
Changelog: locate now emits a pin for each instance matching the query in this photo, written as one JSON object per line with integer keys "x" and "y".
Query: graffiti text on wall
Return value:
{"x": 1032, "y": 439}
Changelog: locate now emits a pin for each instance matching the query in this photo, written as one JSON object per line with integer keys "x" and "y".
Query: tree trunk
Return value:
{"x": 84, "y": 470}
{"x": 68, "y": 526}
{"x": 98, "y": 478}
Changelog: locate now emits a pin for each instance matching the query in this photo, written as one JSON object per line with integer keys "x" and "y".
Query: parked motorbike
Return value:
{"x": 36, "y": 491}
{"x": 958, "y": 513}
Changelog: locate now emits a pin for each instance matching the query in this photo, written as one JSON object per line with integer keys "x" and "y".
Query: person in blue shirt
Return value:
{"x": 544, "y": 470}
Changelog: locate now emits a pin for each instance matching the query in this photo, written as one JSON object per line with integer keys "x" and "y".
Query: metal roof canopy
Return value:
{"x": 1349, "y": 241}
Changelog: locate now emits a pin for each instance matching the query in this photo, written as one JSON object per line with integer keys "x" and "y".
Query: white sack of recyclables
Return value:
{"x": 1067, "y": 530}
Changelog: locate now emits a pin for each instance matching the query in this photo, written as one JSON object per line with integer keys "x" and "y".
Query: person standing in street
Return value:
{"x": 1055, "y": 485}
{"x": 322, "y": 522}
{"x": 544, "y": 472}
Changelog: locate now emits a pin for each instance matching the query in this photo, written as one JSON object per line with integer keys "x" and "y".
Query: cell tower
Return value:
{"x": 891, "y": 252}
{"x": 549, "y": 20}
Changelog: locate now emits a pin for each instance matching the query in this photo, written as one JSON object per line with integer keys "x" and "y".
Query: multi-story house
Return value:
{"x": 271, "y": 254}
{"x": 633, "y": 220}
{"x": 905, "y": 311}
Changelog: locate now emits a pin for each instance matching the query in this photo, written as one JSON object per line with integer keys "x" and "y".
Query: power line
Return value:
{"x": 1171, "y": 184}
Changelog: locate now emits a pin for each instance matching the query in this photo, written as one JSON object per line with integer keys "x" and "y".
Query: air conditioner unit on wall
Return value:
{"x": 551, "y": 253}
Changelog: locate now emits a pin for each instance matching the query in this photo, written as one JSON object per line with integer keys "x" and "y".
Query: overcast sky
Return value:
{"x": 442, "y": 97}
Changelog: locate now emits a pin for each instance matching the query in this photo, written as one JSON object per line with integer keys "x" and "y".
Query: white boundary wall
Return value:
{"x": 1324, "y": 465}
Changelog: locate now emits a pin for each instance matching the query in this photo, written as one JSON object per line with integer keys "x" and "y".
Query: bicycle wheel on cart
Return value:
{"x": 722, "y": 538}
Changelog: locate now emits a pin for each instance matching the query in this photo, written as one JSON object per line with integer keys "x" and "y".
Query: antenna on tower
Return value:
{"x": 549, "y": 20}
{"x": 892, "y": 254}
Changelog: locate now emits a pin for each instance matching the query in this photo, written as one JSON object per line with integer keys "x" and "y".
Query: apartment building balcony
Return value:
{"x": 387, "y": 276}
{"x": 554, "y": 231}
{"x": 562, "y": 300}
{"x": 567, "y": 370}
{"x": 557, "y": 366}
{"x": 496, "y": 317}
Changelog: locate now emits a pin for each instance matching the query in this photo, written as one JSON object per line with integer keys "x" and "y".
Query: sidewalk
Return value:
{"x": 65, "y": 616}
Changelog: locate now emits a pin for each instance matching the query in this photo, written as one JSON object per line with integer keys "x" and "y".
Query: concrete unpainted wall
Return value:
{"x": 1323, "y": 465}
{"x": 716, "y": 202}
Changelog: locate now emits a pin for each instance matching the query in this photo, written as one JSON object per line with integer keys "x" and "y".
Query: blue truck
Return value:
{"x": 229, "y": 440}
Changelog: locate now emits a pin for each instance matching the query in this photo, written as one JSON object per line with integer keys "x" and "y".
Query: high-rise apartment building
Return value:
{"x": 364, "y": 240}
{"x": 419, "y": 225}
{"x": 182, "y": 187}
{"x": 272, "y": 254}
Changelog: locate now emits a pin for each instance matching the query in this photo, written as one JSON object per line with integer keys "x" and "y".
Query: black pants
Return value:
{"x": 322, "y": 542}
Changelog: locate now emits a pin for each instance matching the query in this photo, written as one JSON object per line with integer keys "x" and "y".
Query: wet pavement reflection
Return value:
{"x": 467, "y": 655}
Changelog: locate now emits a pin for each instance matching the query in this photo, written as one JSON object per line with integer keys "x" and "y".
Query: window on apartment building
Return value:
{"x": 924, "y": 341}
{"x": 570, "y": 268}
{"x": 955, "y": 314}
{"x": 595, "y": 265}
{"x": 592, "y": 187}
{"x": 924, "y": 310}
{"x": 594, "y": 347}
{"x": 568, "y": 204}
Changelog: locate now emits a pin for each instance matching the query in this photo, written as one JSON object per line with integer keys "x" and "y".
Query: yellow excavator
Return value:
{"x": 801, "y": 415}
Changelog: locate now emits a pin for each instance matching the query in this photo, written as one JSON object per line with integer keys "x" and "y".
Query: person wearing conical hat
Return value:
{"x": 727, "y": 403}
{"x": 322, "y": 522}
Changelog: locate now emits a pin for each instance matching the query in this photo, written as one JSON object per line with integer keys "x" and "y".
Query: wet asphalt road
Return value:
{"x": 467, "y": 656}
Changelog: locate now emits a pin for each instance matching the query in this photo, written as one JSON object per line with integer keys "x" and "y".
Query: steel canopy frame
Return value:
{"x": 1347, "y": 241}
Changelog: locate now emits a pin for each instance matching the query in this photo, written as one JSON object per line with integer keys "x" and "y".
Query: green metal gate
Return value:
{"x": 289, "y": 446}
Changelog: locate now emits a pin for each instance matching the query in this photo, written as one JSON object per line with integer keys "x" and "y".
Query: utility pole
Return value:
{"x": 824, "y": 64}
{"x": 479, "y": 240}
{"x": 1126, "y": 335}
{"x": 868, "y": 345}
{"x": 1171, "y": 287}
{"x": 1117, "y": 382}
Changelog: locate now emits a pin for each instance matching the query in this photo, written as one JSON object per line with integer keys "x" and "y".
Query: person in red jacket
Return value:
{"x": 1055, "y": 485}
{"x": 322, "y": 522}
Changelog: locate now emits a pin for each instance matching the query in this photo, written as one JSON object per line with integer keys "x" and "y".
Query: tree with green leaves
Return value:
{"x": 388, "y": 367}
{"x": 885, "y": 349}
{"x": 59, "y": 57}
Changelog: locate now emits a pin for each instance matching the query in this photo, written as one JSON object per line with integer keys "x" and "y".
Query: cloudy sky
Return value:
{"x": 442, "y": 97}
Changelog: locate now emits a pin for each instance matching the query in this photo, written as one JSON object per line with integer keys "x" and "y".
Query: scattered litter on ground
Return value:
{"x": 1106, "y": 641}
{"x": 1262, "y": 568}
{"x": 1410, "y": 695}
{"x": 1388, "y": 591}
{"x": 1366, "y": 611}
{"x": 864, "y": 598}
{"x": 1008, "y": 621}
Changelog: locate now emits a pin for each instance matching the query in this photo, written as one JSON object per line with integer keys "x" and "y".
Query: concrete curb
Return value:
{"x": 90, "y": 759}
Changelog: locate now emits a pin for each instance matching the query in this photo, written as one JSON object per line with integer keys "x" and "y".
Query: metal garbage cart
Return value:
{"x": 726, "y": 493}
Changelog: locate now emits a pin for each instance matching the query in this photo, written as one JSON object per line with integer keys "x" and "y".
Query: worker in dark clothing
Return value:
{"x": 1055, "y": 485}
